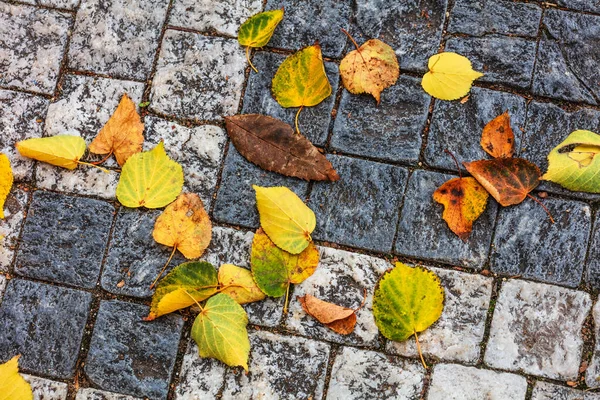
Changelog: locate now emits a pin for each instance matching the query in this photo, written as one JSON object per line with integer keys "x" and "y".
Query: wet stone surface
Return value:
{"x": 130, "y": 356}
{"x": 10, "y": 226}
{"x": 95, "y": 394}
{"x": 64, "y": 239}
{"x": 423, "y": 234}
{"x": 200, "y": 378}
{"x": 35, "y": 317}
{"x": 2, "y": 286}
{"x": 592, "y": 375}
{"x": 592, "y": 271}
{"x": 46, "y": 389}
{"x": 580, "y": 5}
{"x": 549, "y": 391}
{"x": 536, "y": 329}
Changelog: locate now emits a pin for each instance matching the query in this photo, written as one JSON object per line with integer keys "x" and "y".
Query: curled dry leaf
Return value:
{"x": 62, "y": 150}
{"x": 498, "y": 139}
{"x": 238, "y": 283}
{"x": 272, "y": 145}
{"x": 12, "y": 385}
{"x": 6, "y": 181}
{"x": 450, "y": 76}
{"x": 340, "y": 319}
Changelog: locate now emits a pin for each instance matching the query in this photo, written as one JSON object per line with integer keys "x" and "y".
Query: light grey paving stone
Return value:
{"x": 592, "y": 375}
{"x": 95, "y": 394}
{"x": 341, "y": 278}
{"x": 2, "y": 286}
{"x": 550, "y": 391}
{"x": 362, "y": 374}
{"x": 21, "y": 117}
{"x": 223, "y": 16}
{"x": 457, "y": 382}
{"x": 199, "y": 150}
{"x": 457, "y": 335}
{"x": 84, "y": 180}
{"x": 32, "y": 46}
{"x": 536, "y": 329}
{"x": 10, "y": 227}
{"x": 200, "y": 378}
{"x": 66, "y": 4}
{"x": 46, "y": 389}
{"x": 198, "y": 77}
{"x": 279, "y": 369}
{"x": 117, "y": 37}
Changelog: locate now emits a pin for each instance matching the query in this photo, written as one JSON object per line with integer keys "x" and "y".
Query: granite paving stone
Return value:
{"x": 95, "y": 394}
{"x": 36, "y": 317}
{"x": 32, "y": 46}
{"x": 568, "y": 56}
{"x": 528, "y": 244}
{"x": 279, "y": 369}
{"x": 199, "y": 150}
{"x": 457, "y": 127}
{"x": 198, "y": 77}
{"x": 341, "y": 278}
{"x": 413, "y": 29}
{"x": 64, "y": 4}
{"x": 362, "y": 374}
{"x": 46, "y": 389}
{"x": 134, "y": 258}
{"x": 313, "y": 121}
{"x": 536, "y": 329}
{"x": 236, "y": 200}
{"x": 458, "y": 334}
{"x": 391, "y": 130}
{"x": 580, "y": 5}
{"x": 200, "y": 378}
{"x": 20, "y": 118}
{"x": 549, "y": 391}
{"x": 85, "y": 180}
{"x": 3, "y": 282}
{"x": 10, "y": 227}
{"x": 422, "y": 232}
{"x": 361, "y": 209}
{"x": 502, "y": 59}
{"x": 64, "y": 239}
{"x": 117, "y": 37}
{"x": 308, "y": 21}
{"x": 592, "y": 374}
{"x": 130, "y": 356}
{"x": 224, "y": 17}
{"x": 457, "y": 382}
{"x": 592, "y": 271}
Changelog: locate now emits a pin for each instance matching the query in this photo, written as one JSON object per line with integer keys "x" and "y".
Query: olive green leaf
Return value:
{"x": 258, "y": 29}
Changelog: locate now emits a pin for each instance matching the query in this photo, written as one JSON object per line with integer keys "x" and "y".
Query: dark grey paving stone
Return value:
{"x": 307, "y": 21}
{"x": 546, "y": 127}
{"x": 592, "y": 271}
{"x": 64, "y": 239}
{"x": 422, "y": 233}
{"x": 529, "y": 245}
{"x": 135, "y": 258}
{"x": 568, "y": 57}
{"x": 236, "y": 200}
{"x": 413, "y": 29}
{"x": 361, "y": 209}
{"x": 313, "y": 121}
{"x": 503, "y": 59}
{"x": 44, "y": 324}
{"x": 389, "y": 131}
{"x": 477, "y": 18}
{"x": 457, "y": 127}
{"x": 580, "y": 5}
{"x": 131, "y": 356}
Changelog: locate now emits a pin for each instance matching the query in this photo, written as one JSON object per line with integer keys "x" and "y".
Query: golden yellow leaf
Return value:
{"x": 62, "y": 150}
{"x": 450, "y": 76}
{"x": 122, "y": 135}
{"x": 285, "y": 218}
{"x": 6, "y": 181}
{"x": 12, "y": 385}
{"x": 238, "y": 283}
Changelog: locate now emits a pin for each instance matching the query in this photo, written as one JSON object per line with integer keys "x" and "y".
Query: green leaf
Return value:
{"x": 144, "y": 104}
{"x": 220, "y": 331}
{"x": 185, "y": 285}
{"x": 574, "y": 164}
{"x": 258, "y": 29}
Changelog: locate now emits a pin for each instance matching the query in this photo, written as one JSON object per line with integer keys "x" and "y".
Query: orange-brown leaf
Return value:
{"x": 339, "y": 319}
{"x": 498, "y": 139}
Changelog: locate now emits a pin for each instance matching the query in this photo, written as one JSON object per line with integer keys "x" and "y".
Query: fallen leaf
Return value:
{"x": 272, "y": 145}
{"x": 150, "y": 179}
{"x": 450, "y": 76}
{"x": 340, "y": 319}
{"x": 6, "y": 181}
{"x": 285, "y": 218}
{"x": 370, "y": 68}
{"x": 573, "y": 163}
{"x": 12, "y": 385}
{"x": 464, "y": 200}
{"x": 238, "y": 283}
{"x": 257, "y": 30}
{"x": 122, "y": 135}
{"x": 508, "y": 180}
{"x": 185, "y": 285}
{"x": 62, "y": 150}
{"x": 220, "y": 331}
{"x": 498, "y": 139}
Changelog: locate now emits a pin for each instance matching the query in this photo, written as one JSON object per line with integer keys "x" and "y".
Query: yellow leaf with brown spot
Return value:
{"x": 6, "y": 181}
{"x": 238, "y": 283}
{"x": 62, "y": 150}
{"x": 497, "y": 138}
{"x": 12, "y": 385}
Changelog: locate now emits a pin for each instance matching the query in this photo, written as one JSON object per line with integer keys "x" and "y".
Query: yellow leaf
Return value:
{"x": 239, "y": 284}
{"x": 62, "y": 150}
{"x": 258, "y": 29}
{"x": 6, "y": 181}
{"x": 450, "y": 76}
{"x": 285, "y": 218}
{"x": 12, "y": 385}
{"x": 150, "y": 179}
{"x": 122, "y": 135}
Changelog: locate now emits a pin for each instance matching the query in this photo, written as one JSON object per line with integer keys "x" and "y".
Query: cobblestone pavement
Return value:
{"x": 521, "y": 315}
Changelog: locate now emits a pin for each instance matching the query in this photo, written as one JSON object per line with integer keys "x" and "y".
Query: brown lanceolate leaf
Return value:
{"x": 337, "y": 318}
{"x": 508, "y": 180}
{"x": 273, "y": 145}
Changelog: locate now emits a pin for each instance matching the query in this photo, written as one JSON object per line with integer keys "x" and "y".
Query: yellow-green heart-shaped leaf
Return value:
{"x": 238, "y": 283}
{"x": 450, "y": 76}
{"x": 258, "y": 29}
{"x": 62, "y": 150}
{"x": 6, "y": 181}
{"x": 12, "y": 385}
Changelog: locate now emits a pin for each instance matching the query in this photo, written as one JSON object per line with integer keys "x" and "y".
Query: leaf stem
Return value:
{"x": 543, "y": 206}
{"x": 95, "y": 166}
{"x": 455, "y": 161}
{"x": 192, "y": 297}
{"x": 297, "y": 114}
{"x": 419, "y": 350}
{"x": 248, "y": 58}
{"x": 104, "y": 159}
{"x": 352, "y": 39}
{"x": 165, "y": 267}
{"x": 287, "y": 296}
{"x": 364, "y": 300}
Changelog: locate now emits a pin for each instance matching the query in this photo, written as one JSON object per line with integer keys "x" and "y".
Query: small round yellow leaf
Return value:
{"x": 450, "y": 76}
